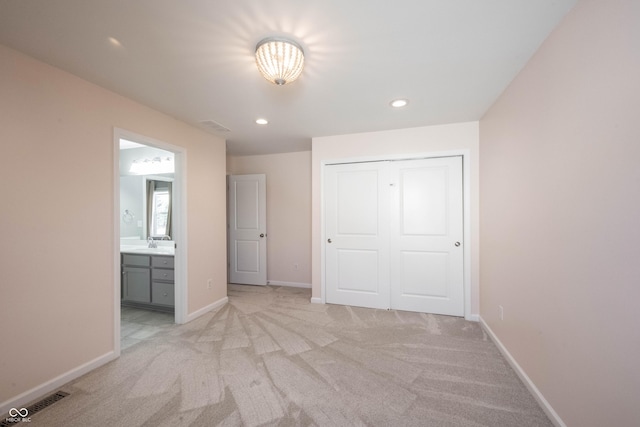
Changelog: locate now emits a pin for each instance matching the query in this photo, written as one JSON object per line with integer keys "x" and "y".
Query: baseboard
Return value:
{"x": 546, "y": 406}
{"x": 206, "y": 309}
{"x": 51, "y": 385}
{"x": 316, "y": 301}
{"x": 289, "y": 284}
{"x": 473, "y": 318}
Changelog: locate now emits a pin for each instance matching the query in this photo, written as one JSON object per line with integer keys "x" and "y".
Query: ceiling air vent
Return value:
{"x": 210, "y": 124}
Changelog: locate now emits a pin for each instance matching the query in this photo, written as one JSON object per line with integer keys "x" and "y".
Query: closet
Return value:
{"x": 394, "y": 234}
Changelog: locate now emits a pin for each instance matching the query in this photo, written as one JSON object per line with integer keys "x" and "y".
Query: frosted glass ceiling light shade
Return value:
{"x": 279, "y": 60}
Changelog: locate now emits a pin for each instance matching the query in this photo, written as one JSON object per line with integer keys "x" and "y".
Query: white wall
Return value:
{"x": 57, "y": 229}
{"x": 409, "y": 142}
{"x": 288, "y": 213}
{"x": 560, "y": 214}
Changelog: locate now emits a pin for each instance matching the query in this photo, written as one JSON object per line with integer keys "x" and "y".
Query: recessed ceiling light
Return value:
{"x": 114, "y": 41}
{"x": 398, "y": 103}
{"x": 262, "y": 121}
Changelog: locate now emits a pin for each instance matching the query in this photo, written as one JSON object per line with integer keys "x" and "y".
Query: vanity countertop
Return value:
{"x": 144, "y": 250}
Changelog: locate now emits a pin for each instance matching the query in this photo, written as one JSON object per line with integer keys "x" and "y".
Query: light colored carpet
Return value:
{"x": 271, "y": 358}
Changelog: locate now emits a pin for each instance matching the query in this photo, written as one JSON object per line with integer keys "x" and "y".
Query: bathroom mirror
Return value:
{"x": 146, "y": 181}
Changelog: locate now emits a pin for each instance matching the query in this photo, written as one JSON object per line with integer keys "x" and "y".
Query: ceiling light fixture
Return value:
{"x": 262, "y": 121}
{"x": 399, "y": 103}
{"x": 279, "y": 60}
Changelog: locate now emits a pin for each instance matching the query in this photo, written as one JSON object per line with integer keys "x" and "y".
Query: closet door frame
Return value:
{"x": 466, "y": 181}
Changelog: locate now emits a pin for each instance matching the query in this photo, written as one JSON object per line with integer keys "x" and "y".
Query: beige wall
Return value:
{"x": 288, "y": 212}
{"x": 57, "y": 228}
{"x": 560, "y": 214}
{"x": 404, "y": 142}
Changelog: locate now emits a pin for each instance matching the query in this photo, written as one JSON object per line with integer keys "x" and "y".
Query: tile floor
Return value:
{"x": 137, "y": 324}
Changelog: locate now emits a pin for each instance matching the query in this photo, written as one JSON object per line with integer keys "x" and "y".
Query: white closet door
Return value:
{"x": 394, "y": 235}
{"x": 357, "y": 233}
{"x": 248, "y": 229}
{"x": 426, "y": 256}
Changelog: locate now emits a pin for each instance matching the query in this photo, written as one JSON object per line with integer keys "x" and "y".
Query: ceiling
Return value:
{"x": 193, "y": 59}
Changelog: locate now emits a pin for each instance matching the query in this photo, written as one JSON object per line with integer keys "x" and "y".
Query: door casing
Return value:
{"x": 179, "y": 229}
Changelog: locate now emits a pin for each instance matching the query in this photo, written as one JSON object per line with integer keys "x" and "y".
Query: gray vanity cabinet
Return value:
{"x": 162, "y": 277}
{"x": 136, "y": 278}
{"x": 135, "y": 284}
{"x": 148, "y": 281}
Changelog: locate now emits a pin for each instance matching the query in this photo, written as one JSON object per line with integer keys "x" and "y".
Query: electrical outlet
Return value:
{"x": 209, "y": 283}
{"x": 501, "y": 312}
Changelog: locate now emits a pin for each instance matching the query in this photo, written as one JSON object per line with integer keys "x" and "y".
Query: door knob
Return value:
{"x": 457, "y": 243}
{"x": 261, "y": 234}
{"x": 328, "y": 240}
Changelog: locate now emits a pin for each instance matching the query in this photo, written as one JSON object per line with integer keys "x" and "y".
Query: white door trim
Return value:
{"x": 180, "y": 231}
{"x": 466, "y": 180}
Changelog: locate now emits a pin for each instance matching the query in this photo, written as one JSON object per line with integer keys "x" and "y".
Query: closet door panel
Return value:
{"x": 357, "y": 235}
{"x": 418, "y": 267}
{"x": 426, "y": 266}
{"x": 423, "y": 203}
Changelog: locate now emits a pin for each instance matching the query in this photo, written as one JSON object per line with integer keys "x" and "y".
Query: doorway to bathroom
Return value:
{"x": 149, "y": 236}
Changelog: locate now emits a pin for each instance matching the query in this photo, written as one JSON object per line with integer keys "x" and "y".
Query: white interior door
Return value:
{"x": 248, "y": 229}
{"x": 357, "y": 233}
{"x": 394, "y": 235}
{"x": 426, "y": 255}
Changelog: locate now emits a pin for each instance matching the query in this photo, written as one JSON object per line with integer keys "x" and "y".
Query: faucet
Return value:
{"x": 152, "y": 243}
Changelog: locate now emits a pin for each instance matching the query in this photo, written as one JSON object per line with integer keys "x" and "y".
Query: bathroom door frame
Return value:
{"x": 179, "y": 229}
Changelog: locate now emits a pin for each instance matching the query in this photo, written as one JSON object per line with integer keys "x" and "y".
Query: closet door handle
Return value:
{"x": 457, "y": 244}
{"x": 328, "y": 240}
{"x": 261, "y": 234}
